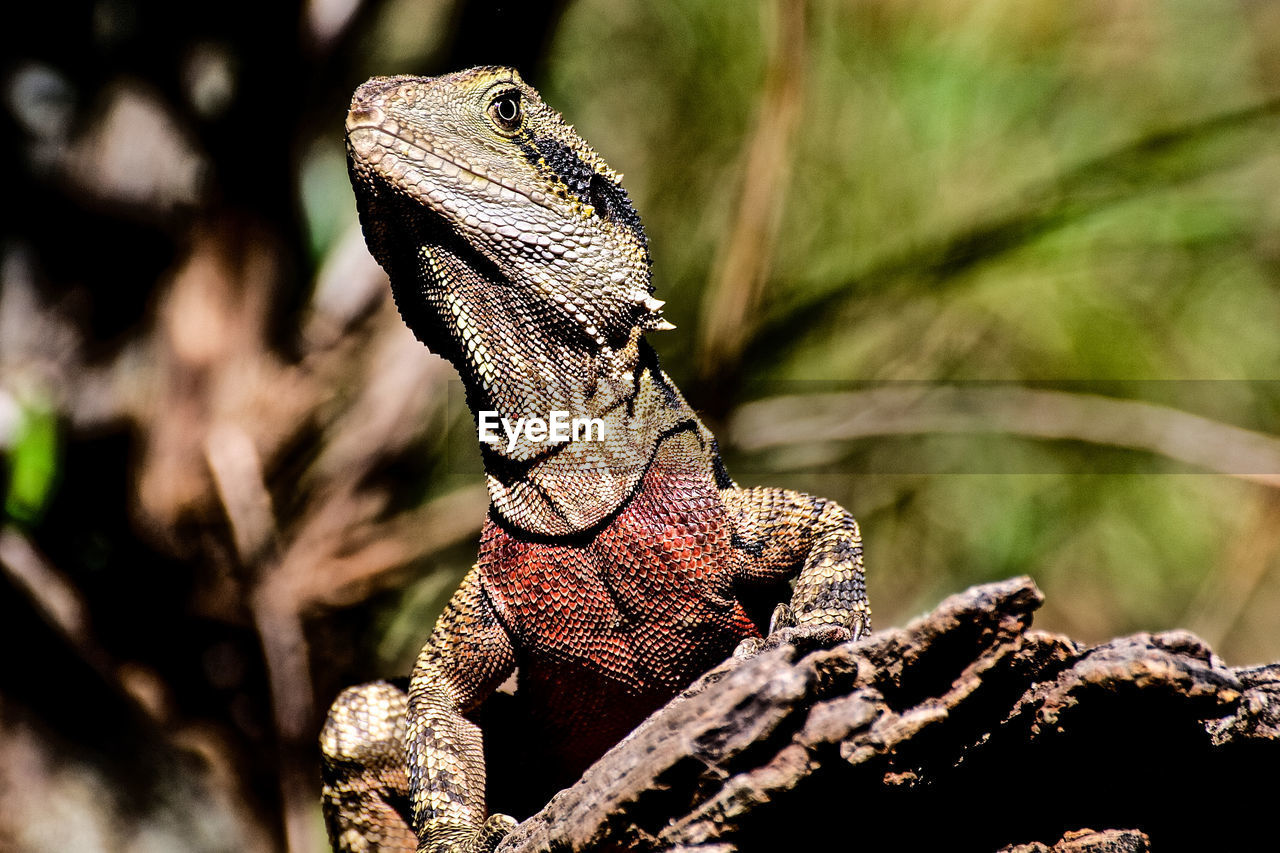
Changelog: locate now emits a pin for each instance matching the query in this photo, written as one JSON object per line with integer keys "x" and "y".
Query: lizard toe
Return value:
{"x": 495, "y": 828}
{"x": 808, "y": 637}
{"x": 748, "y": 648}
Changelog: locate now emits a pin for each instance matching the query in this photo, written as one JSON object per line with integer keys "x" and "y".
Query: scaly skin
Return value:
{"x": 610, "y": 572}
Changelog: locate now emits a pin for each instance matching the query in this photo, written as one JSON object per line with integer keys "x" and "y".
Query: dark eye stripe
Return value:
{"x": 610, "y": 200}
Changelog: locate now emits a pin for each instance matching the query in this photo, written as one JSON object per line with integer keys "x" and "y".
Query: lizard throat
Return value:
{"x": 522, "y": 360}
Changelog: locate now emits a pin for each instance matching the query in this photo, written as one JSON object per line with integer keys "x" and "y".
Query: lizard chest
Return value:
{"x": 608, "y": 629}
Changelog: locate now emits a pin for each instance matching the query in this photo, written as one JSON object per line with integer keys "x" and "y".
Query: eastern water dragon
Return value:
{"x": 612, "y": 571}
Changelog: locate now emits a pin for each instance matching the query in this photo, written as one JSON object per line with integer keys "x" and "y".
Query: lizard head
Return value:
{"x": 514, "y": 252}
{"x": 470, "y": 176}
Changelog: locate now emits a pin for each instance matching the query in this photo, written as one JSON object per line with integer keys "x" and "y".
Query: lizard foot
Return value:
{"x": 856, "y": 624}
{"x": 483, "y": 840}
{"x": 783, "y": 630}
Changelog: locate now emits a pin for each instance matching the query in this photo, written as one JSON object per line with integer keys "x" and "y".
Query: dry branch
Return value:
{"x": 964, "y": 730}
{"x": 1055, "y": 415}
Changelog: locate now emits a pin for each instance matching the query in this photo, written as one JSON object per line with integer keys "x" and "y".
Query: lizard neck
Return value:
{"x": 569, "y": 488}
{"x": 527, "y": 367}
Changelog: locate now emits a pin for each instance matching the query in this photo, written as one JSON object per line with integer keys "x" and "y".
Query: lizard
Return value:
{"x": 613, "y": 567}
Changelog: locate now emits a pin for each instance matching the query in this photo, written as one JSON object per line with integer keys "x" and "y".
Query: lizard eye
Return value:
{"x": 507, "y": 112}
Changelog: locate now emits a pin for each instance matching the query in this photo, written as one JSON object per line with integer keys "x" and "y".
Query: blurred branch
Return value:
{"x": 238, "y": 477}
{"x": 743, "y": 261}
{"x": 1224, "y": 596}
{"x": 55, "y": 596}
{"x": 284, "y": 452}
{"x": 1056, "y": 415}
{"x": 1162, "y": 159}
{"x": 375, "y": 556}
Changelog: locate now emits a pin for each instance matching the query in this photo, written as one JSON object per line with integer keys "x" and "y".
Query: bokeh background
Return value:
{"x": 1001, "y": 277}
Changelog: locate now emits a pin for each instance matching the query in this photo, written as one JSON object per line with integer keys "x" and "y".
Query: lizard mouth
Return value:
{"x": 419, "y": 167}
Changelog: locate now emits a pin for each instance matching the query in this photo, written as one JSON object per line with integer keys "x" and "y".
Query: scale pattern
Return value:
{"x": 610, "y": 629}
{"x": 611, "y": 570}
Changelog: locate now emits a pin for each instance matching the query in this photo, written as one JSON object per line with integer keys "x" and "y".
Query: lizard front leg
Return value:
{"x": 446, "y": 769}
{"x": 406, "y": 772}
{"x": 468, "y": 655}
{"x": 366, "y": 790}
{"x": 782, "y": 534}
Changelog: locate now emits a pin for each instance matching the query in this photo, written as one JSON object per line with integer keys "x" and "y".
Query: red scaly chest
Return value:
{"x": 608, "y": 630}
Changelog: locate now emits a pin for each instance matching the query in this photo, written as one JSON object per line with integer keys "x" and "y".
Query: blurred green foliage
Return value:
{"x": 32, "y": 461}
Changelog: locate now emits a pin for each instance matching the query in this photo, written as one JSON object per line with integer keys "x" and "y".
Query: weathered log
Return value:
{"x": 965, "y": 730}
{"x": 1088, "y": 841}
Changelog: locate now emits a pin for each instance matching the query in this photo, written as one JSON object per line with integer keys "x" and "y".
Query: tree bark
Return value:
{"x": 965, "y": 730}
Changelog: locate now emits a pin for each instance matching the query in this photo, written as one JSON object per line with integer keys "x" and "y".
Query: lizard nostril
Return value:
{"x": 364, "y": 114}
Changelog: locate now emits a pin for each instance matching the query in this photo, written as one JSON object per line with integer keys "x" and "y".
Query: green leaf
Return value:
{"x": 33, "y": 464}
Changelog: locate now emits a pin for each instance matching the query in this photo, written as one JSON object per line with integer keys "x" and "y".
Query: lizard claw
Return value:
{"x": 783, "y": 630}
{"x": 806, "y": 638}
{"x": 483, "y": 840}
{"x": 495, "y": 828}
{"x": 783, "y": 617}
{"x": 748, "y": 648}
